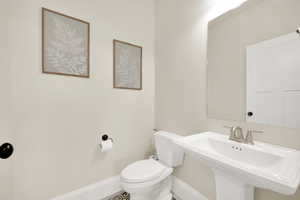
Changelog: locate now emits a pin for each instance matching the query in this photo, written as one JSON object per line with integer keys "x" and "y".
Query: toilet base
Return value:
{"x": 160, "y": 191}
{"x": 168, "y": 197}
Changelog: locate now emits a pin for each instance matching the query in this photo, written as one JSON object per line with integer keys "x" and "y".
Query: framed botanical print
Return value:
{"x": 65, "y": 44}
{"x": 127, "y": 65}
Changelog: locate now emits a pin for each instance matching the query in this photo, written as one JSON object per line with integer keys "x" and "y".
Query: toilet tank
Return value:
{"x": 167, "y": 152}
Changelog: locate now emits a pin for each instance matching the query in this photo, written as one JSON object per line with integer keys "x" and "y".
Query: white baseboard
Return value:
{"x": 183, "y": 191}
{"x": 96, "y": 191}
{"x": 111, "y": 186}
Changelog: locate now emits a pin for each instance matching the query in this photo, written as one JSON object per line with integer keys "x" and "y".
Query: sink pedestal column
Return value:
{"x": 229, "y": 187}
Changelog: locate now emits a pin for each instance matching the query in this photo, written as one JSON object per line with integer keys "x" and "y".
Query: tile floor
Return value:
{"x": 122, "y": 196}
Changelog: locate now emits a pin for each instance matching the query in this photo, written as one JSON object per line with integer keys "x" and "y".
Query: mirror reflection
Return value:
{"x": 253, "y": 74}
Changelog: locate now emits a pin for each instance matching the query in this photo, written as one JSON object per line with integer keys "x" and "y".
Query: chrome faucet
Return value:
{"x": 249, "y": 136}
{"x": 236, "y": 134}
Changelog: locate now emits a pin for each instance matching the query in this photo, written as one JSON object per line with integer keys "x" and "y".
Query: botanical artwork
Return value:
{"x": 65, "y": 45}
{"x": 127, "y": 65}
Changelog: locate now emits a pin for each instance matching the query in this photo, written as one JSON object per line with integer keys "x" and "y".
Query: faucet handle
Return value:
{"x": 231, "y": 131}
{"x": 249, "y": 136}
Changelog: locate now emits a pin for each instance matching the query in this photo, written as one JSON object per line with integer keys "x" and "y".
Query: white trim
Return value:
{"x": 111, "y": 186}
{"x": 184, "y": 191}
{"x": 96, "y": 191}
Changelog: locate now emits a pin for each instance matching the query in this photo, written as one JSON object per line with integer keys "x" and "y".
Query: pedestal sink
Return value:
{"x": 238, "y": 167}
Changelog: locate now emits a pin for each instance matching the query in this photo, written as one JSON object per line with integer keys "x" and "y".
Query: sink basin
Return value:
{"x": 246, "y": 166}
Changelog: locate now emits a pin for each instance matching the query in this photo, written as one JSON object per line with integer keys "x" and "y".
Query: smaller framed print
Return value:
{"x": 127, "y": 65}
{"x": 65, "y": 44}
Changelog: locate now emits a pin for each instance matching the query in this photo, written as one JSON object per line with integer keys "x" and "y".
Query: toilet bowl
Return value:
{"x": 151, "y": 179}
{"x": 147, "y": 179}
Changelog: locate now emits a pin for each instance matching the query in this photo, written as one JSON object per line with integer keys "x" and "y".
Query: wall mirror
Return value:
{"x": 254, "y": 74}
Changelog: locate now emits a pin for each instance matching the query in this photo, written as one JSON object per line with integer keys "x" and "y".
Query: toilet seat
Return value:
{"x": 152, "y": 179}
{"x": 145, "y": 171}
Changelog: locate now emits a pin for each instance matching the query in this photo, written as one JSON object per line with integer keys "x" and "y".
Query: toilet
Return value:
{"x": 151, "y": 179}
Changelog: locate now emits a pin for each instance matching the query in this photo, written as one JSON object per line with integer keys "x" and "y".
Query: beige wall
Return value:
{"x": 5, "y": 99}
{"x": 180, "y": 104}
{"x": 180, "y": 67}
{"x": 181, "y": 84}
{"x": 58, "y": 119}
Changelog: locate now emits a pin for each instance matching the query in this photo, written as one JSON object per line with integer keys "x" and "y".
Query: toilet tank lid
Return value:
{"x": 169, "y": 135}
{"x": 143, "y": 170}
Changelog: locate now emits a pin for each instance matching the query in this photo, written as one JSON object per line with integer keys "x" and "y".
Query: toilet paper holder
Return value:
{"x": 106, "y": 137}
{"x": 106, "y": 143}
